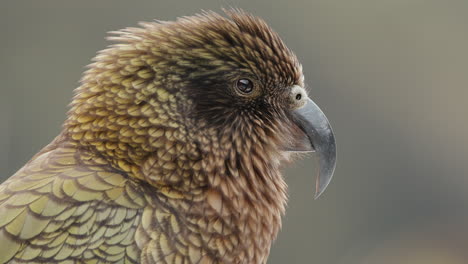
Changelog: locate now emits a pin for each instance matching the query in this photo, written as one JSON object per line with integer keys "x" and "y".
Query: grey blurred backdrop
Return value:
{"x": 391, "y": 75}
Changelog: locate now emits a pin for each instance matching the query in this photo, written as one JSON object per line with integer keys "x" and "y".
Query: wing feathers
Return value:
{"x": 55, "y": 209}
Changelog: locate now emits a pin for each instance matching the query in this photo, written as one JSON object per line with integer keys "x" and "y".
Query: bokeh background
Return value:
{"x": 391, "y": 75}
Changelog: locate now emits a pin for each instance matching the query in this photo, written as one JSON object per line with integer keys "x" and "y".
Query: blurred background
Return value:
{"x": 391, "y": 75}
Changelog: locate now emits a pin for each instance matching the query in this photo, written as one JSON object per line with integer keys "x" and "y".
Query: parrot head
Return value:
{"x": 204, "y": 95}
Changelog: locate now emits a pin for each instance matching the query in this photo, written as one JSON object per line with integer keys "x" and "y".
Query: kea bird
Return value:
{"x": 171, "y": 151}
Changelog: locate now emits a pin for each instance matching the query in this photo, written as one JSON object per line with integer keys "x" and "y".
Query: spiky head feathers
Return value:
{"x": 184, "y": 82}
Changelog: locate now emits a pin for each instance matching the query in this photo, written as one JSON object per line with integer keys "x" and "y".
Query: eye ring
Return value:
{"x": 244, "y": 85}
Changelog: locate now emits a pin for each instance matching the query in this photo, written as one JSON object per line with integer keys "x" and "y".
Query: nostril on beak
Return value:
{"x": 297, "y": 96}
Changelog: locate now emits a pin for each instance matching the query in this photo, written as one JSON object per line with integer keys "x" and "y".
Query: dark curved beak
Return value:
{"x": 315, "y": 125}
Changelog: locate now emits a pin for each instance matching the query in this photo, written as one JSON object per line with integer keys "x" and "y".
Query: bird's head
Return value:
{"x": 169, "y": 93}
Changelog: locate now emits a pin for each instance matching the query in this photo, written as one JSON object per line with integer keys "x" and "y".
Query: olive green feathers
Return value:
{"x": 60, "y": 207}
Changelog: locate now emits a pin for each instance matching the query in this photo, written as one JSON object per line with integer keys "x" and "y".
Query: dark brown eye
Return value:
{"x": 244, "y": 85}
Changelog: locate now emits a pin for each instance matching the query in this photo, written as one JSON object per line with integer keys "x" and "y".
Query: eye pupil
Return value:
{"x": 298, "y": 96}
{"x": 245, "y": 85}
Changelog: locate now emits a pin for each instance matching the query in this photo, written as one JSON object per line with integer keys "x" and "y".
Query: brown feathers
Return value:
{"x": 160, "y": 141}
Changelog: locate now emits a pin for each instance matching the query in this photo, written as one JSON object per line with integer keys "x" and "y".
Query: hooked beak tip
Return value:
{"x": 318, "y": 129}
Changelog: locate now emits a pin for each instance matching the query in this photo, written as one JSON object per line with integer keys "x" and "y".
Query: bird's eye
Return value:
{"x": 244, "y": 85}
